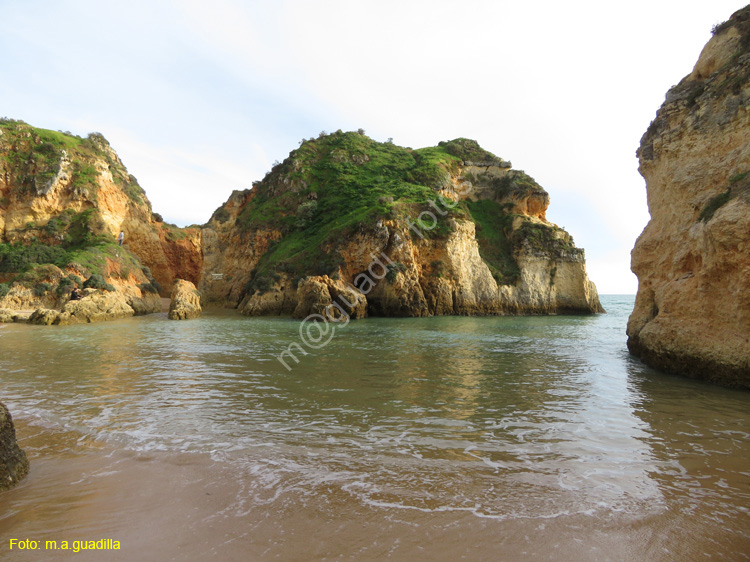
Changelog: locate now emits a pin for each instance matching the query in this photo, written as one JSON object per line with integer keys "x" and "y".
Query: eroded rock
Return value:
{"x": 186, "y": 301}
{"x": 14, "y": 465}
{"x": 95, "y": 306}
{"x": 692, "y": 311}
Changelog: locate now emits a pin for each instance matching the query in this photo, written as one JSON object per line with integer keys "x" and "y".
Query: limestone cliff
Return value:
{"x": 376, "y": 229}
{"x": 58, "y": 191}
{"x": 372, "y": 228}
{"x": 692, "y": 311}
{"x": 13, "y": 462}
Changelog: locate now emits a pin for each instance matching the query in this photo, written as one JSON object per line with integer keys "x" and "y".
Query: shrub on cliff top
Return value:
{"x": 741, "y": 19}
{"x": 97, "y": 281}
{"x": 221, "y": 215}
{"x": 41, "y": 289}
{"x": 172, "y": 232}
{"x": 467, "y": 149}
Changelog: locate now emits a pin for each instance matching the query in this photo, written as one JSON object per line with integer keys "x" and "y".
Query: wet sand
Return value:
{"x": 189, "y": 507}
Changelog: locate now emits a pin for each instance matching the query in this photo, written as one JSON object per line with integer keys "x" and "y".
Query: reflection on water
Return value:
{"x": 543, "y": 426}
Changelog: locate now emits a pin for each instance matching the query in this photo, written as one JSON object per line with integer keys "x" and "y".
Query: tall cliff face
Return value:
{"x": 377, "y": 229}
{"x": 692, "y": 311}
{"x": 59, "y": 190}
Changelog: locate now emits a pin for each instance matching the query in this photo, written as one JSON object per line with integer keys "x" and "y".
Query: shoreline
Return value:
{"x": 22, "y": 316}
{"x": 187, "y": 506}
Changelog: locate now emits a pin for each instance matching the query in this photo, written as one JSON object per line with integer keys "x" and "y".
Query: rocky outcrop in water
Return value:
{"x": 100, "y": 306}
{"x": 7, "y": 315}
{"x": 14, "y": 465}
{"x": 96, "y": 306}
{"x": 43, "y": 317}
{"x": 367, "y": 228}
{"x": 692, "y": 311}
{"x": 186, "y": 301}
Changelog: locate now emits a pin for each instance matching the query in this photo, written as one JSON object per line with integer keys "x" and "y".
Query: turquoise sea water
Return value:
{"x": 539, "y": 431}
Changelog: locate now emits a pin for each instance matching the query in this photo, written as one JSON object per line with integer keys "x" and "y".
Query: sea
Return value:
{"x": 437, "y": 439}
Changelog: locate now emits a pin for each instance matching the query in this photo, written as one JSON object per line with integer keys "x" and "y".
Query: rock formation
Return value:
{"x": 365, "y": 228}
{"x": 7, "y": 315}
{"x": 96, "y": 306}
{"x": 13, "y": 462}
{"x": 43, "y": 317}
{"x": 345, "y": 223}
{"x": 186, "y": 301}
{"x": 692, "y": 311}
{"x": 62, "y": 191}
{"x": 48, "y": 288}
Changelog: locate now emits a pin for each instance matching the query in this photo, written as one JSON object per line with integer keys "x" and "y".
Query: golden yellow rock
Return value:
{"x": 71, "y": 192}
{"x": 95, "y": 306}
{"x": 57, "y": 178}
{"x": 186, "y": 301}
{"x": 692, "y": 311}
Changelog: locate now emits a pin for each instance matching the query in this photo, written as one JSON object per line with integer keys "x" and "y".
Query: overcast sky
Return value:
{"x": 200, "y": 98}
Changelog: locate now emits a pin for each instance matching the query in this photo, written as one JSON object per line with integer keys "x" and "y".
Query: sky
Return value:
{"x": 200, "y": 99}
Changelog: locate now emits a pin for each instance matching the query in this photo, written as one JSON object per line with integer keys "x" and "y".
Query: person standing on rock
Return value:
{"x": 121, "y": 237}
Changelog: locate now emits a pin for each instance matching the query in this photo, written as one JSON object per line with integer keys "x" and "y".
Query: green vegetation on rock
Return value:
{"x": 493, "y": 231}
{"x": 714, "y": 204}
{"x": 515, "y": 183}
{"x": 19, "y": 258}
{"x": 339, "y": 185}
{"x": 173, "y": 232}
{"x": 334, "y": 185}
{"x": 32, "y": 158}
{"x": 97, "y": 281}
{"x": 543, "y": 238}
{"x": 739, "y": 183}
{"x": 328, "y": 191}
{"x": 740, "y": 19}
{"x": 72, "y": 239}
